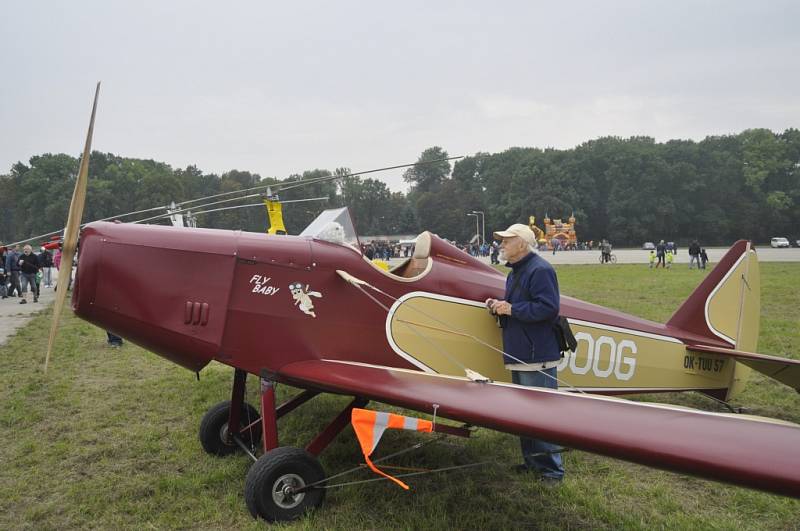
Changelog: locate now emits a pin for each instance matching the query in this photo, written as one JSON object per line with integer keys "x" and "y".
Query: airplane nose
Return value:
{"x": 159, "y": 287}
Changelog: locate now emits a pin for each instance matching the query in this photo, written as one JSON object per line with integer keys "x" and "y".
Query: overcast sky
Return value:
{"x": 281, "y": 87}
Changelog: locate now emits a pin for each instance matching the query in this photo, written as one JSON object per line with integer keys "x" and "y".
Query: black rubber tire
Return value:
{"x": 267, "y": 473}
{"x": 216, "y": 420}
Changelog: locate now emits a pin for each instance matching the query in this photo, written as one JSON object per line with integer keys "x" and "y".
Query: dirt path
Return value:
{"x": 14, "y": 315}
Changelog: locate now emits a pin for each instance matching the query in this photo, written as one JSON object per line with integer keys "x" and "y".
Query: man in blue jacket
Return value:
{"x": 12, "y": 271}
{"x": 528, "y": 315}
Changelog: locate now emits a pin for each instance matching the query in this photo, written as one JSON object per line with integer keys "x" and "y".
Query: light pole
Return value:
{"x": 483, "y": 224}
{"x": 477, "y": 227}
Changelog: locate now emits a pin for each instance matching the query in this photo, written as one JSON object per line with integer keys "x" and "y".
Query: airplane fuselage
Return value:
{"x": 256, "y": 301}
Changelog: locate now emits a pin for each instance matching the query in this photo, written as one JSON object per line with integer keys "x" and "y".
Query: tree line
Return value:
{"x": 629, "y": 190}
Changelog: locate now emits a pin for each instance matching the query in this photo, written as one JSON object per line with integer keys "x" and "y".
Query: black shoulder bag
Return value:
{"x": 566, "y": 339}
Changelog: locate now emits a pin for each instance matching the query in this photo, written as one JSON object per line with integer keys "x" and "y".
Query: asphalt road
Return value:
{"x": 639, "y": 256}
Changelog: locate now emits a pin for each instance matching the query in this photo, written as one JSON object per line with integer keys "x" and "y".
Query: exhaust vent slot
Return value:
{"x": 195, "y": 313}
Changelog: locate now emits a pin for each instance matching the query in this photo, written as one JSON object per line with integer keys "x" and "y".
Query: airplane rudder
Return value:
{"x": 713, "y": 309}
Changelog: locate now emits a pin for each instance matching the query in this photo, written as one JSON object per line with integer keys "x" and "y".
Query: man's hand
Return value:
{"x": 499, "y": 307}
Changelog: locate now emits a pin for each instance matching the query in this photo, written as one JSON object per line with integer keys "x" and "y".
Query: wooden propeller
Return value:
{"x": 71, "y": 232}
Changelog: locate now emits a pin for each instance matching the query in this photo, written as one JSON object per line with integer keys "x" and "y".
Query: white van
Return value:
{"x": 779, "y": 242}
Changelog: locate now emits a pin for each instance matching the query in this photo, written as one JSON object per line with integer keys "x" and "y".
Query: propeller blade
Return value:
{"x": 71, "y": 231}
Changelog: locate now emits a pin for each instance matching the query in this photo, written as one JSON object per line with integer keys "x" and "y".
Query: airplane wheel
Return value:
{"x": 269, "y": 484}
{"x": 214, "y": 429}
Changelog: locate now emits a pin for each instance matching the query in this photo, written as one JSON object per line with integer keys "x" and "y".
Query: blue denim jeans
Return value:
{"x": 549, "y": 465}
{"x": 26, "y": 279}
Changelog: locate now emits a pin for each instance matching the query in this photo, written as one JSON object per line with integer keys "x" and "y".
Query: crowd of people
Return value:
{"x": 25, "y": 271}
{"x": 378, "y": 250}
{"x": 664, "y": 255}
{"x": 385, "y": 250}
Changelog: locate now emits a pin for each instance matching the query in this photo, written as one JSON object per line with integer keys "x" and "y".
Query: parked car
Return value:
{"x": 796, "y": 243}
{"x": 779, "y": 242}
{"x": 648, "y": 246}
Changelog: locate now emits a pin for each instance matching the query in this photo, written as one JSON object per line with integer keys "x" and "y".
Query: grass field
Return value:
{"x": 108, "y": 439}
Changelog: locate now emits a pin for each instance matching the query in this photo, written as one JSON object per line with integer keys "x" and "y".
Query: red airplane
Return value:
{"x": 310, "y": 311}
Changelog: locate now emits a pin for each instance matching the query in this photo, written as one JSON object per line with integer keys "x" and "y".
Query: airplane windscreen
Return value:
{"x": 334, "y": 226}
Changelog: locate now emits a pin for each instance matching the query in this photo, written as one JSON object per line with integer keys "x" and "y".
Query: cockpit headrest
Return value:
{"x": 422, "y": 248}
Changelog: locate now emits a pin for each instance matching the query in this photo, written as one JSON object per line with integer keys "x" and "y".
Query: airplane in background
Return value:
{"x": 312, "y": 312}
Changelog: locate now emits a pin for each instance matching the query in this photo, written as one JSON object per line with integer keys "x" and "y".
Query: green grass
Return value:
{"x": 108, "y": 439}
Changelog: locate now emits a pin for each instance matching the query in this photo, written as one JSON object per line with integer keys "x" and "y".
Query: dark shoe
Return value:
{"x": 23, "y": 301}
{"x": 36, "y": 299}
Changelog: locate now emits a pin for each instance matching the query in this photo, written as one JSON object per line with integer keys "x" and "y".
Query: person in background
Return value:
{"x": 495, "y": 253}
{"x": 652, "y": 258}
{"x": 38, "y": 276}
{"x": 703, "y": 258}
{"x": 661, "y": 250}
{"x": 12, "y": 270}
{"x": 46, "y": 266}
{"x": 57, "y": 265}
{"x": 694, "y": 254}
{"x": 605, "y": 250}
{"x": 3, "y": 278}
{"x": 29, "y": 266}
{"x": 669, "y": 259}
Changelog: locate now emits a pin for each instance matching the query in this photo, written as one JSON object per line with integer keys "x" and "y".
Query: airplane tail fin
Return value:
{"x": 726, "y": 306}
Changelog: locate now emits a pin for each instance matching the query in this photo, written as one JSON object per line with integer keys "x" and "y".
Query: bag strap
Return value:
{"x": 514, "y": 285}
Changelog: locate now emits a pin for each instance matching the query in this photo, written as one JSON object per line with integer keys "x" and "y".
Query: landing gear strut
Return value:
{"x": 276, "y": 487}
{"x": 221, "y": 425}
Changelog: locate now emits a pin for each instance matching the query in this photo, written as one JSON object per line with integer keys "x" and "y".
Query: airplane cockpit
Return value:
{"x": 336, "y": 226}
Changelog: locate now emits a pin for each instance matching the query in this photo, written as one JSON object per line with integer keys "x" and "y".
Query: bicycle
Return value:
{"x": 612, "y": 258}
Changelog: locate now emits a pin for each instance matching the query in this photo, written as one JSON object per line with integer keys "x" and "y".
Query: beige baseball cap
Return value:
{"x": 517, "y": 229}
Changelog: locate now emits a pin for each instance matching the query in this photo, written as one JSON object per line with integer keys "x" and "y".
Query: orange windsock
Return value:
{"x": 370, "y": 425}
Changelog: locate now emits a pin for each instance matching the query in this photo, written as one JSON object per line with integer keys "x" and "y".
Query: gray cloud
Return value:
{"x": 276, "y": 88}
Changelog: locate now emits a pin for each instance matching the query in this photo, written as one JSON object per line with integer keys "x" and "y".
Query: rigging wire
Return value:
{"x": 319, "y": 484}
{"x": 448, "y": 328}
{"x": 441, "y": 351}
{"x": 181, "y": 210}
{"x": 276, "y": 186}
{"x": 254, "y": 204}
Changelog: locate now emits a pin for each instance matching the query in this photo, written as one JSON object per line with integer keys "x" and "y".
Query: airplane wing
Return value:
{"x": 784, "y": 370}
{"x": 752, "y": 452}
